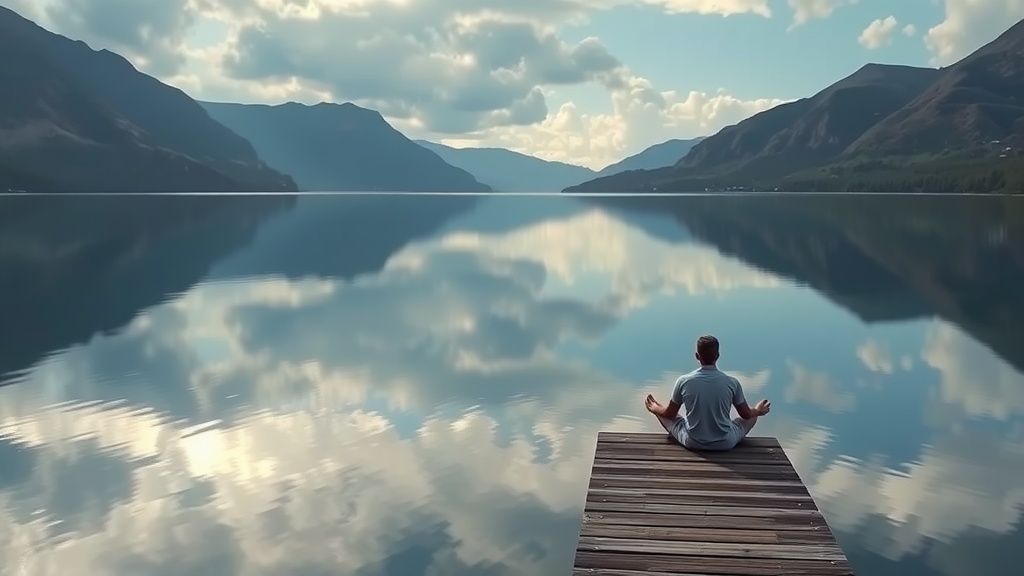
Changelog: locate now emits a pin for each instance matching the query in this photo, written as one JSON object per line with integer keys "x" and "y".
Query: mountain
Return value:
{"x": 508, "y": 171}
{"x": 341, "y": 147}
{"x": 667, "y": 153}
{"x": 979, "y": 99}
{"x": 76, "y": 119}
{"x": 883, "y": 128}
{"x": 814, "y": 130}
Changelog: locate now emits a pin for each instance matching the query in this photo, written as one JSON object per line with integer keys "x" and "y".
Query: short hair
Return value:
{"x": 707, "y": 348}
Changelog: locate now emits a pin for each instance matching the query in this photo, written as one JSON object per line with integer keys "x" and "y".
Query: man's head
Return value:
{"x": 707, "y": 350}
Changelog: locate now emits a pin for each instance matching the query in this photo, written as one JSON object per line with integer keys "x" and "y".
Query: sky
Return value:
{"x": 581, "y": 81}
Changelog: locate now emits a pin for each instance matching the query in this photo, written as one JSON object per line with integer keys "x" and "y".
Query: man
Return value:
{"x": 706, "y": 395}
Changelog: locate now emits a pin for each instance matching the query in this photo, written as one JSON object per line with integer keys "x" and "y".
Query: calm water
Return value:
{"x": 413, "y": 385}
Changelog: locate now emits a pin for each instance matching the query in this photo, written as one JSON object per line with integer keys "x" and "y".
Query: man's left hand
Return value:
{"x": 652, "y": 404}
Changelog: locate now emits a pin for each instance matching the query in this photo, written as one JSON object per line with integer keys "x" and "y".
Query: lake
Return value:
{"x": 413, "y": 385}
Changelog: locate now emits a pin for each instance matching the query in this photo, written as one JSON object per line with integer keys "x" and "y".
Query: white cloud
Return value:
{"x": 27, "y": 8}
{"x": 968, "y": 25}
{"x": 806, "y": 10}
{"x": 639, "y": 117}
{"x": 720, "y": 7}
{"x": 909, "y": 30}
{"x": 478, "y": 71}
{"x": 878, "y": 33}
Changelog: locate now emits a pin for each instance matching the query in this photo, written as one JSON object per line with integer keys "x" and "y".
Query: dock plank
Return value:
{"x": 656, "y": 508}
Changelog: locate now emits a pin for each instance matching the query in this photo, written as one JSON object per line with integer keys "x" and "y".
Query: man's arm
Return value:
{"x": 670, "y": 411}
{"x": 745, "y": 411}
{"x": 739, "y": 400}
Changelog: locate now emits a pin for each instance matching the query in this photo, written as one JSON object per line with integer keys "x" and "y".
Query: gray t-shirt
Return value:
{"x": 706, "y": 397}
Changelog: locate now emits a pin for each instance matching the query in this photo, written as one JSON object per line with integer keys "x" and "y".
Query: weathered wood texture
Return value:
{"x": 655, "y": 508}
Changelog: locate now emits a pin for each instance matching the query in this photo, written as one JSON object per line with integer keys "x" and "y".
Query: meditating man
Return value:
{"x": 706, "y": 396}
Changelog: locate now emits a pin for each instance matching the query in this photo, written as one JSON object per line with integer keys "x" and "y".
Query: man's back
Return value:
{"x": 707, "y": 396}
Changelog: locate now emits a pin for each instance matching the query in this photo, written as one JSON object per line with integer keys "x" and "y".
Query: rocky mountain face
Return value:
{"x": 77, "y": 119}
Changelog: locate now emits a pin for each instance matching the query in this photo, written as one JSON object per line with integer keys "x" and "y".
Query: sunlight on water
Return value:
{"x": 417, "y": 387}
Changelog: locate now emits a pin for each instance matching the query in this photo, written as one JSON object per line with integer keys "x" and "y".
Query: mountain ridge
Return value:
{"x": 658, "y": 155}
{"x": 510, "y": 171}
{"x": 341, "y": 147}
{"x": 78, "y": 119}
{"x": 885, "y": 127}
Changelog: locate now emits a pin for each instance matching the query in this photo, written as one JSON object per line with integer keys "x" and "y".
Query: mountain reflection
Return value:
{"x": 71, "y": 267}
{"x": 413, "y": 385}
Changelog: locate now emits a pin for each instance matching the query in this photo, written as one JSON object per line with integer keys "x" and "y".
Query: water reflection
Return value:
{"x": 403, "y": 385}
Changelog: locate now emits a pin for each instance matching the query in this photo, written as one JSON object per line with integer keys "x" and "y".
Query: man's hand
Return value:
{"x": 652, "y": 405}
{"x": 763, "y": 407}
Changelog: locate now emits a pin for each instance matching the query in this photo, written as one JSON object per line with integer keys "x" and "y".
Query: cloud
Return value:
{"x": 151, "y": 32}
{"x": 909, "y": 30}
{"x": 878, "y": 33}
{"x": 483, "y": 71}
{"x": 640, "y": 115}
{"x": 719, "y": 7}
{"x": 27, "y": 8}
{"x": 806, "y": 10}
{"x": 487, "y": 73}
{"x": 968, "y": 25}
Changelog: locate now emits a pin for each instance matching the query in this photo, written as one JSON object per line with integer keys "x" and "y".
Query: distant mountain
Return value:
{"x": 75, "y": 119}
{"x": 508, "y": 171}
{"x": 341, "y": 147}
{"x": 667, "y": 153}
{"x": 883, "y": 128}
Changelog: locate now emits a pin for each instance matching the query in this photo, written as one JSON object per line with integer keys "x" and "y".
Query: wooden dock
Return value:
{"x": 655, "y": 508}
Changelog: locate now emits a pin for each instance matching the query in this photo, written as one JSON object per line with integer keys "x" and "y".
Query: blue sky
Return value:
{"x": 587, "y": 82}
{"x": 751, "y": 56}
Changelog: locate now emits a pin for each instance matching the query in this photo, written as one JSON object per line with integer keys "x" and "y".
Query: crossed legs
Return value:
{"x": 669, "y": 424}
{"x": 744, "y": 425}
{"x": 741, "y": 427}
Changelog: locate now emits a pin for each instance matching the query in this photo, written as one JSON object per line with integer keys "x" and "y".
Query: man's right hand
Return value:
{"x": 763, "y": 407}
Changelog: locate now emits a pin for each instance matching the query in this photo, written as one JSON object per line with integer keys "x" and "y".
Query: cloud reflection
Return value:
{"x": 418, "y": 420}
{"x": 973, "y": 377}
{"x": 298, "y": 492}
{"x": 633, "y": 264}
{"x": 957, "y": 484}
{"x": 817, "y": 388}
